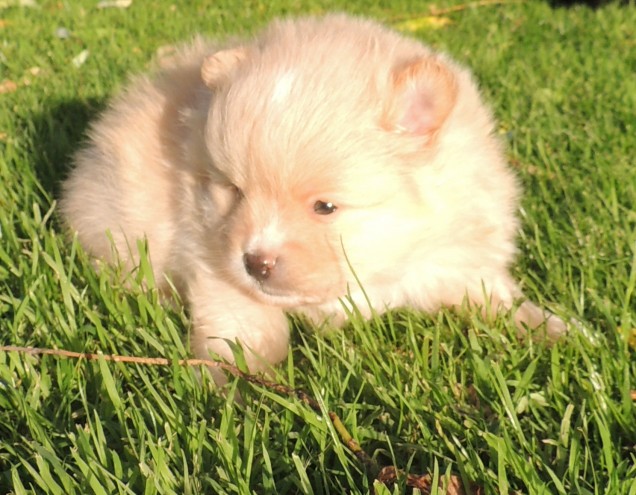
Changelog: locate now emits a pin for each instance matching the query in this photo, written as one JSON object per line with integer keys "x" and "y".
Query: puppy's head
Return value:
{"x": 314, "y": 133}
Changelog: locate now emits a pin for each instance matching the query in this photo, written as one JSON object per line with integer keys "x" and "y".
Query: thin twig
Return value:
{"x": 435, "y": 12}
{"x": 470, "y": 5}
{"x": 388, "y": 475}
{"x": 89, "y": 356}
{"x": 305, "y": 398}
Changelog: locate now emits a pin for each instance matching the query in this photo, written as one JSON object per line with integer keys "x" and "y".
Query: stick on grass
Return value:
{"x": 387, "y": 475}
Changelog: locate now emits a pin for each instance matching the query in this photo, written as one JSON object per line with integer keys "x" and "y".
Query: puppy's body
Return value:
{"x": 268, "y": 175}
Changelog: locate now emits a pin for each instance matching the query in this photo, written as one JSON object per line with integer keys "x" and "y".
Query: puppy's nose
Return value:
{"x": 259, "y": 265}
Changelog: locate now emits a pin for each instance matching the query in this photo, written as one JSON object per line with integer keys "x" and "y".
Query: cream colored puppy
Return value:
{"x": 268, "y": 174}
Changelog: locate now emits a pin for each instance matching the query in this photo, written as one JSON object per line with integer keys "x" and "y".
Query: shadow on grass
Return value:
{"x": 57, "y": 133}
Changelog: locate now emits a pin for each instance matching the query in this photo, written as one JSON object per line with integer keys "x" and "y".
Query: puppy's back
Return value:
{"x": 129, "y": 177}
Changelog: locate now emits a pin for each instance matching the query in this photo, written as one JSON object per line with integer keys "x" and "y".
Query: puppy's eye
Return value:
{"x": 225, "y": 196}
{"x": 324, "y": 207}
{"x": 238, "y": 194}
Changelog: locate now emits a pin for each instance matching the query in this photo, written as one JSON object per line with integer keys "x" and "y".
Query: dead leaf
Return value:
{"x": 117, "y": 4}
{"x": 62, "y": 33}
{"x": 80, "y": 58}
{"x": 8, "y": 86}
{"x": 453, "y": 486}
{"x": 423, "y": 23}
{"x": 17, "y": 3}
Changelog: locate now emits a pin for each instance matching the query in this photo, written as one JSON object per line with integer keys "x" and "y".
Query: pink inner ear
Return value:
{"x": 220, "y": 64}
{"x": 424, "y": 94}
{"x": 418, "y": 115}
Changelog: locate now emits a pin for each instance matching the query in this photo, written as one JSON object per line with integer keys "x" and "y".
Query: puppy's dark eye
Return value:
{"x": 224, "y": 196}
{"x": 324, "y": 207}
{"x": 238, "y": 194}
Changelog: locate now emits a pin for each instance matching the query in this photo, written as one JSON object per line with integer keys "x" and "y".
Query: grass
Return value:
{"x": 439, "y": 394}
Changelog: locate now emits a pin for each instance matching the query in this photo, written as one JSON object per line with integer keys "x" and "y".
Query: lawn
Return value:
{"x": 449, "y": 395}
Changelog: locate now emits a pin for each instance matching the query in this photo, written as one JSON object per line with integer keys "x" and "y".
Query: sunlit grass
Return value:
{"x": 445, "y": 393}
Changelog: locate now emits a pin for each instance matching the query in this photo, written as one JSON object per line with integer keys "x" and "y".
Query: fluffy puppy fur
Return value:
{"x": 268, "y": 174}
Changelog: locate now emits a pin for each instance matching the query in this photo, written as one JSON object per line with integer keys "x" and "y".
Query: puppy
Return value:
{"x": 325, "y": 161}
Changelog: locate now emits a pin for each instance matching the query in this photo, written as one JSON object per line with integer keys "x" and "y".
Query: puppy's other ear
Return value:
{"x": 220, "y": 65}
{"x": 424, "y": 92}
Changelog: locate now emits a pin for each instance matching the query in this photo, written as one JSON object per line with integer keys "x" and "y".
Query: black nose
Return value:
{"x": 259, "y": 266}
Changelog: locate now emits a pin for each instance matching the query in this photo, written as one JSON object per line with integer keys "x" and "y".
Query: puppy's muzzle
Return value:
{"x": 258, "y": 265}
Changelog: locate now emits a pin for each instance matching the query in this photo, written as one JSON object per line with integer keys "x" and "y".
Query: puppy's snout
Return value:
{"x": 259, "y": 265}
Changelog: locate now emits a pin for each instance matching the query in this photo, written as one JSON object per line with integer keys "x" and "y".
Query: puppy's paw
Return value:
{"x": 541, "y": 322}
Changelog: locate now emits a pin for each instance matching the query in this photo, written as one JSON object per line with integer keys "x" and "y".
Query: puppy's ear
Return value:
{"x": 220, "y": 65}
{"x": 424, "y": 92}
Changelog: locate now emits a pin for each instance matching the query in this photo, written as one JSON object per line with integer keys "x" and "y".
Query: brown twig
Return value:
{"x": 388, "y": 475}
{"x": 305, "y": 398}
{"x": 89, "y": 356}
{"x": 470, "y": 5}
{"x": 435, "y": 12}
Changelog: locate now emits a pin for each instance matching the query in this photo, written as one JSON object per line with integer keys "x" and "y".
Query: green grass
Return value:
{"x": 436, "y": 394}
